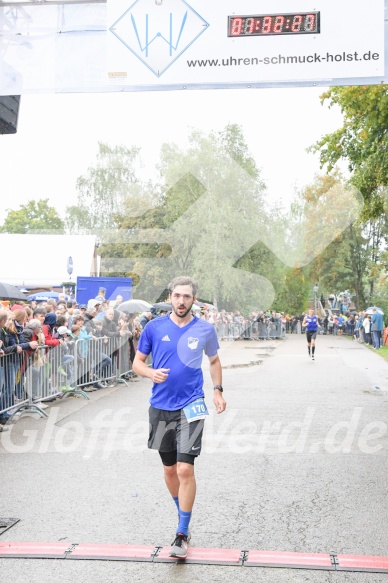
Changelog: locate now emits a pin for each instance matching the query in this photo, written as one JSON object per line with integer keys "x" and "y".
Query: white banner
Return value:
{"x": 244, "y": 41}
{"x": 170, "y": 44}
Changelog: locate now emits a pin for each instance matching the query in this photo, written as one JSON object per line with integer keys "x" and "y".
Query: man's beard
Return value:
{"x": 183, "y": 314}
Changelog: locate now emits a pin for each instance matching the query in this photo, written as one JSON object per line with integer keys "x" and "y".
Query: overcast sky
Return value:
{"x": 58, "y": 135}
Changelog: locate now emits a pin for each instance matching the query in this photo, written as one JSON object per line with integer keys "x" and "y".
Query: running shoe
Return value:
{"x": 179, "y": 546}
{"x": 313, "y": 357}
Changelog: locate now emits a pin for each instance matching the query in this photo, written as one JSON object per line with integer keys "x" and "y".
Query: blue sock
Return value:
{"x": 176, "y": 500}
{"x": 184, "y": 520}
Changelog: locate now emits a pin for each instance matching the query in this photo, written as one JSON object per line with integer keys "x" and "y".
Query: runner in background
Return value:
{"x": 311, "y": 324}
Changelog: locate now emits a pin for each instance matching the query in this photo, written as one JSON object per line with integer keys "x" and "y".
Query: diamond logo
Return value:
{"x": 158, "y": 33}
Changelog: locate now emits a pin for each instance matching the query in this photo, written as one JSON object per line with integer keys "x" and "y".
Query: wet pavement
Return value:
{"x": 298, "y": 462}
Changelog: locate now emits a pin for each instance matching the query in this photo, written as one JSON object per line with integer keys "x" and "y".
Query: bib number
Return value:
{"x": 196, "y": 410}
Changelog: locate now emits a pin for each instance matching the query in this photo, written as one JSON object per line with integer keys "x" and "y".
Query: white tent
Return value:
{"x": 42, "y": 260}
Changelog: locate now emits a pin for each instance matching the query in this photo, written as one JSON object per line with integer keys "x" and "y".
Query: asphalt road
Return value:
{"x": 298, "y": 462}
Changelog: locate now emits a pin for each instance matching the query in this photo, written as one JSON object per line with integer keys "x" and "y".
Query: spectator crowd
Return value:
{"x": 61, "y": 346}
{"x": 66, "y": 346}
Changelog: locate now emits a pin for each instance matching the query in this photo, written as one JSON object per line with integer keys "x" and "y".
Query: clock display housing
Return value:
{"x": 295, "y": 23}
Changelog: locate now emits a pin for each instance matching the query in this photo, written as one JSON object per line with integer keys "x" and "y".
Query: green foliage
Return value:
{"x": 205, "y": 218}
{"x": 105, "y": 187}
{"x": 206, "y": 192}
{"x": 294, "y": 294}
{"x": 70, "y": 285}
{"x": 362, "y": 141}
{"x": 35, "y": 217}
{"x": 351, "y": 260}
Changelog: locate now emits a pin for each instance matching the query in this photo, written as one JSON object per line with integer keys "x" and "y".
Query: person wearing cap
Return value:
{"x": 48, "y": 328}
{"x": 17, "y": 307}
{"x": 93, "y": 303}
{"x": 90, "y": 315}
{"x": 101, "y": 292}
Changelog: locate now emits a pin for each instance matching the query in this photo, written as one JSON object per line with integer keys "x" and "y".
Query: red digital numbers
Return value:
{"x": 274, "y": 24}
{"x": 279, "y": 22}
{"x": 267, "y": 24}
{"x": 310, "y": 23}
{"x": 236, "y": 25}
{"x": 297, "y": 23}
{"x": 249, "y": 25}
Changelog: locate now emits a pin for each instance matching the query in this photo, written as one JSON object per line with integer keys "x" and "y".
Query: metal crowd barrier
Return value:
{"x": 30, "y": 378}
{"x": 33, "y": 377}
{"x": 102, "y": 360}
{"x": 250, "y": 330}
{"x": 13, "y": 392}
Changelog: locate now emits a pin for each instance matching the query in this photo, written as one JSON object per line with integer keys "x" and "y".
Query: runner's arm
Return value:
{"x": 140, "y": 367}
{"x": 216, "y": 374}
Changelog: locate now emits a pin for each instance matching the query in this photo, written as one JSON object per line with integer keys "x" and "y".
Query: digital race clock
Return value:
{"x": 274, "y": 24}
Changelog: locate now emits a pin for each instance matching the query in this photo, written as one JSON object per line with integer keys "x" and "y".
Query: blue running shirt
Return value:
{"x": 181, "y": 350}
{"x": 312, "y": 323}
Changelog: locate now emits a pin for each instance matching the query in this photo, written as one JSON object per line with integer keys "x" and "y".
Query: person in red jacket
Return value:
{"x": 48, "y": 329}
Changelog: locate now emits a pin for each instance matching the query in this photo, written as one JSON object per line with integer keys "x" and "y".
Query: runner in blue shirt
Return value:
{"x": 310, "y": 322}
{"x": 177, "y": 410}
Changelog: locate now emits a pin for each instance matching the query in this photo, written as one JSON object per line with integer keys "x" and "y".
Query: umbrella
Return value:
{"x": 10, "y": 292}
{"x": 45, "y": 295}
{"x": 370, "y": 310}
{"x": 162, "y": 306}
{"x": 133, "y": 306}
{"x": 204, "y": 305}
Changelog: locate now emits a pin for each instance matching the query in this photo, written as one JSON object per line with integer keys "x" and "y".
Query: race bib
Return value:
{"x": 196, "y": 410}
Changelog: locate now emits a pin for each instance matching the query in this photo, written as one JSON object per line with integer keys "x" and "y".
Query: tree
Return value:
{"x": 35, "y": 217}
{"x": 362, "y": 141}
{"x": 208, "y": 216}
{"x": 210, "y": 221}
{"x": 104, "y": 188}
{"x": 351, "y": 260}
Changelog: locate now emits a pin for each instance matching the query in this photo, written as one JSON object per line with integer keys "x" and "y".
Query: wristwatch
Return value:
{"x": 219, "y": 387}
